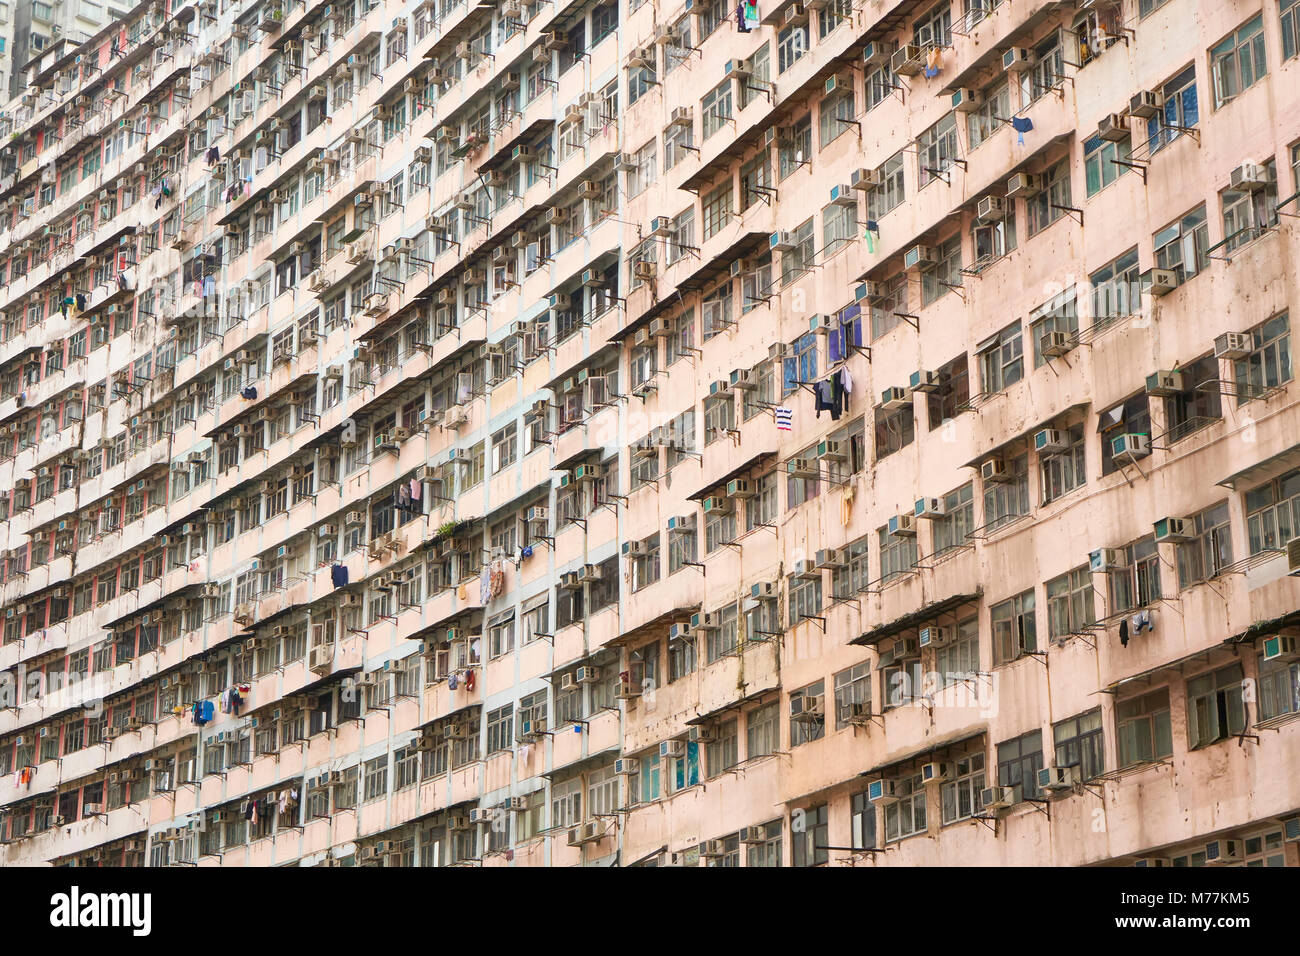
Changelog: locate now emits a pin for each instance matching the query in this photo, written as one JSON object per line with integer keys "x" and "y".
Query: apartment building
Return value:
{"x": 29, "y": 29}
{"x": 615, "y": 433}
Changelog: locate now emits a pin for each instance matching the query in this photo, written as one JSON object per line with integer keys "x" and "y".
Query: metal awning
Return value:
{"x": 916, "y": 619}
{"x": 1024, "y": 435}
{"x": 1261, "y": 471}
{"x": 749, "y": 464}
{"x": 583, "y": 763}
{"x": 929, "y": 748}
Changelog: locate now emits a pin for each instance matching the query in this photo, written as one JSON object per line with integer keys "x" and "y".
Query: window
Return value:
{"x": 1079, "y": 744}
{"x": 762, "y": 737}
{"x": 1181, "y": 247}
{"x": 945, "y": 275}
{"x": 1070, "y": 603}
{"x": 890, "y": 193}
{"x": 1215, "y": 707}
{"x": 642, "y": 175}
{"x": 852, "y": 691}
{"x": 805, "y": 598}
{"x": 953, "y": 529}
{"x": 1019, "y": 761}
{"x": 1273, "y": 513}
{"x": 375, "y": 780}
{"x": 809, "y": 836}
{"x": 839, "y": 227}
{"x": 716, "y": 209}
{"x": 905, "y": 816}
{"x": 1136, "y": 584}
{"x": 797, "y": 261}
{"x": 1063, "y": 471}
{"x": 1100, "y": 168}
{"x": 1238, "y": 61}
{"x": 895, "y": 430}
{"x": 952, "y": 396}
{"x": 1143, "y": 728}
{"x": 1015, "y": 631}
{"x": 499, "y": 725}
{"x": 961, "y": 795}
{"x": 791, "y": 45}
{"x": 1209, "y": 551}
{"x": 937, "y": 147}
{"x": 1001, "y": 357}
{"x": 897, "y": 554}
{"x": 835, "y": 114}
{"x": 1181, "y": 111}
{"x": 794, "y": 150}
{"x": 1198, "y": 404}
{"x": 1289, "y": 11}
{"x": 1247, "y": 214}
{"x": 1116, "y": 288}
{"x": 1268, "y": 365}
{"x": 1279, "y": 687}
{"x": 988, "y": 117}
{"x": 722, "y": 752}
{"x": 1132, "y": 417}
{"x": 715, "y": 108}
{"x": 1049, "y": 205}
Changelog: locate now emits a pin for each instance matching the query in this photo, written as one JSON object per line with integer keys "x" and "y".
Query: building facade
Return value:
{"x": 29, "y": 28}
{"x": 615, "y": 433}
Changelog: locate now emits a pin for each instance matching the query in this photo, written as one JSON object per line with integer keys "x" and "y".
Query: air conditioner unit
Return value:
{"x": 1106, "y": 559}
{"x": 999, "y": 798}
{"x": 1222, "y": 852}
{"x": 739, "y": 488}
{"x": 1251, "y": 177}
{"x": 781, "y": 241}
{"x": 932, "y": 636}
{"x": 829, "y": 558}
{"x": 902, "y": 525}
{"x": 881, "y": 790}
{"x": 1146, "y": 104}
{"x": 737, "y": 70}
{"x": 672, "y": 748}
{"x": 626, "y": 766}
{"x": 1054, "y": 779}
{"x": 920, "y": 257}
{"x": 1024, "y": 184}
{"x": 907, "y": 60}
{"x": 1017, "y": 60}
{"x": 895, "y": 397}
{"x": 1174, "y": 529}
{"x": 1160, "y": 281}
{"x": 1129, "y": 447}
{"x": 1054, "y": 343}
{"x": 934, "y": 772}
{"x": 806, "y": 708}
{"x": 1281, "y": 647}
{"x": 1165, "y": 383}
{"x": 966, "y": 100}
{"x": 1233, "y": 345}
{"x": 717, "y": 505}
{"x": 990, "y": 207}
{"x": 929, "y": 508}
{"x": 1051, "y": 441}
{"x": 803, "y": 468}
{"x": 864, "y": 179}
{"x": 877, "y": 52}
{"x": 1114, "y": 128}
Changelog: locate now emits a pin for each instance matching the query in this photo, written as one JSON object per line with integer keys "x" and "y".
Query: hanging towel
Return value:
{"x": 784, "y": 419}
{"x": 846, "y": 381}
{"x": 933, "y": 63}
